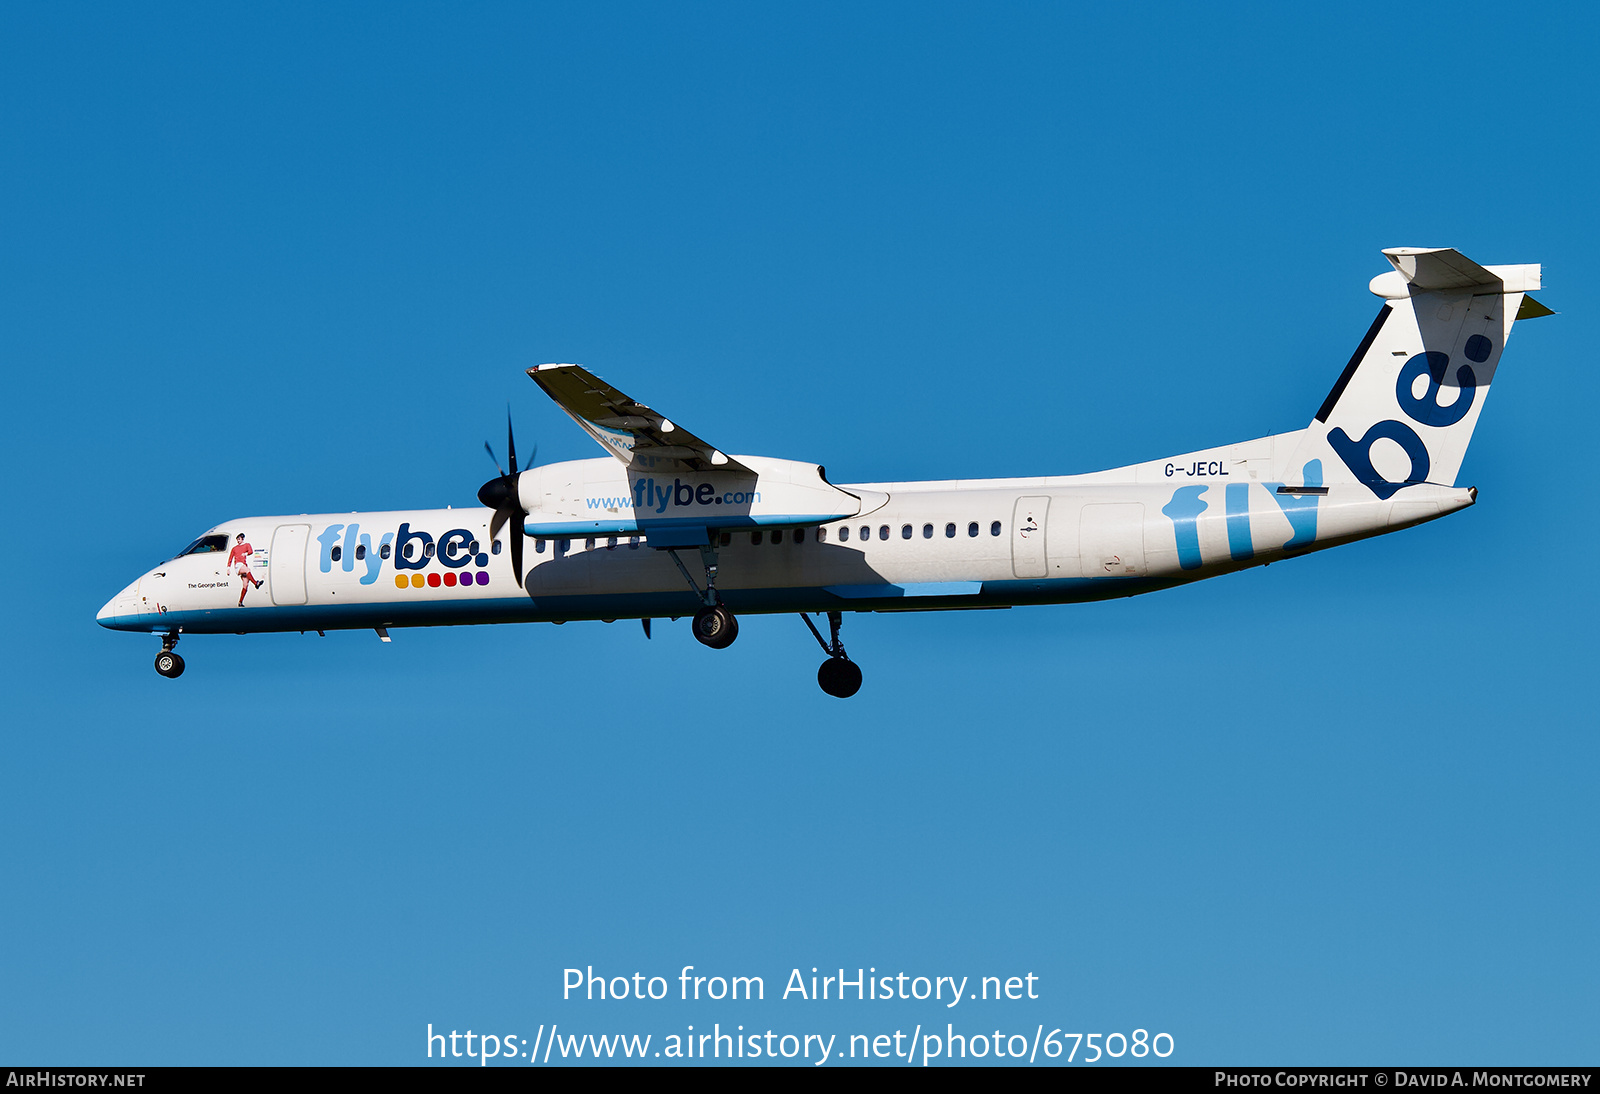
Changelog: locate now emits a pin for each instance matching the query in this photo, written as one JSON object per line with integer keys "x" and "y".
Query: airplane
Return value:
{"x": 666, "y": 525}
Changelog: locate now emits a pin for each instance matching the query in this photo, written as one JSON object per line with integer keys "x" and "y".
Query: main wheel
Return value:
{"x": 169, "y": 664}
{"x": 715, "y": 627}
{"x": 840, "y": 677}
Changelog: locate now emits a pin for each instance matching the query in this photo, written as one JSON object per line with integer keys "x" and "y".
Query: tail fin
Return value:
{"x": 1405, "y": 406}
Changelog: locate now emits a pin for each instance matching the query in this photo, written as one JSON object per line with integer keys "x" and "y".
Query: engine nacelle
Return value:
{"x": 601, "y": 496}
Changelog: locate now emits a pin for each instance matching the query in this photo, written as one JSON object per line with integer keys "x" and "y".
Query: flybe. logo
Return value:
{"x": 650, "y": 495}
{"x": 346, "y": 546}
{"x": 1188, "y": 502}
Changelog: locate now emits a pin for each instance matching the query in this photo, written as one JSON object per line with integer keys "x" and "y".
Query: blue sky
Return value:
{"x": 1335, "y": 811}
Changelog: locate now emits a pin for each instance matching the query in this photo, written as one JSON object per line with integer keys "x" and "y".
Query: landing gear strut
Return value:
{"x": 839, "y": 676}
{"x": 168, "y": 663}
{"x": 714, "y": 625}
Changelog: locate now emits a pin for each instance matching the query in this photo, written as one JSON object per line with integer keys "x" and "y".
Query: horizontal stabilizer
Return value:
{"x": 1444, "y": 269}
{"x": 1532, "y": 309}
{"x": 1438, "y": 268}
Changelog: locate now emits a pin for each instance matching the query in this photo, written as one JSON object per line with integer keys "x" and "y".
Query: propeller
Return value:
{"x": 501, "y": 495}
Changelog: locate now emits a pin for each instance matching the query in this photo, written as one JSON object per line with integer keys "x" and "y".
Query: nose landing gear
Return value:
{"x": 839, "y": 676}
{"x": 168, "y": 663}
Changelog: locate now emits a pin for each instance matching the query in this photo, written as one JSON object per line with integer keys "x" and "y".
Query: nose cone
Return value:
{"x": 121, "y": 612}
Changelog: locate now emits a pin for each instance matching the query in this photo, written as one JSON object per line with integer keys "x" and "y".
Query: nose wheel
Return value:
{"x": 168, "y": 663}
{"x": 839, "y": 676}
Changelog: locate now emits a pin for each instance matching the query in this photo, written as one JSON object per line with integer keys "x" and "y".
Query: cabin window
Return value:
{"x": 927, "y": 531}
{"x": 822, "y": 535}
{"x": 972, "y": 529}
{"x": 905, "y": 531}
{"x": 410, "y": 552}
{"x": 950, "y": 530}
{"x": 844, "y": 534}
{"x": 563, "y": 545}
{"x": 205, "y": 544}
{"x": 883, "y": 531}
{"x": 472, "y": 548}
{"x": 800, "y": 535}
{"x": 633, "y": 542}
{"x": 755, "y": 539}
{"x": 494, "y": 549}
{"x": 588, "y": 544}
{"x": 777, "y": 535}
{"x": 611, "y": 541}
{"x": 383, "y": 551}
{"x": 866, "y": 533}
{"x": 538, "y": 546}
{"x": 428, "y": 550}
{"x": 994, "y": 529}
{"x": 361, "y": 551}
{"x": 337, "y": 553}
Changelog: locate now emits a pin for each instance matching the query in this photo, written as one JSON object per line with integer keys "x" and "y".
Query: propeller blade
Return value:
{"x": 502, "y": 495}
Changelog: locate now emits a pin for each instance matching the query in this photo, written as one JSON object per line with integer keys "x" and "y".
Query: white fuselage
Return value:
{"x": 903, "y": 546}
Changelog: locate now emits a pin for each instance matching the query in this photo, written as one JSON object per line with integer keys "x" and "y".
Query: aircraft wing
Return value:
{"x": 630, "y": 431}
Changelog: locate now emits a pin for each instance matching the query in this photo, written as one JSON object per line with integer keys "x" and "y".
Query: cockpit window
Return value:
{"x": 204, "y": 544}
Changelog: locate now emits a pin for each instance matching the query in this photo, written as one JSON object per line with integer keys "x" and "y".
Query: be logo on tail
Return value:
{"x": 1357, "y": 455}
{"x": 1403, "y": 411}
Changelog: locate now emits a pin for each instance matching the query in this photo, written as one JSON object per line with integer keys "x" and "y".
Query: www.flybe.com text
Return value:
{"x": 649, "y": 494}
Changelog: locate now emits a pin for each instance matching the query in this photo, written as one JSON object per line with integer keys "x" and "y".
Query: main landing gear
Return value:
{"x": 168, "y": 663}
{"x": 839, "y": 676}
{"x": 714, "y": 625}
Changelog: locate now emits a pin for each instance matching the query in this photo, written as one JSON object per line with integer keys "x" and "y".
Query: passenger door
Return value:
{"x": 1027, "y": 537}
{"x": 286, "y": 564}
